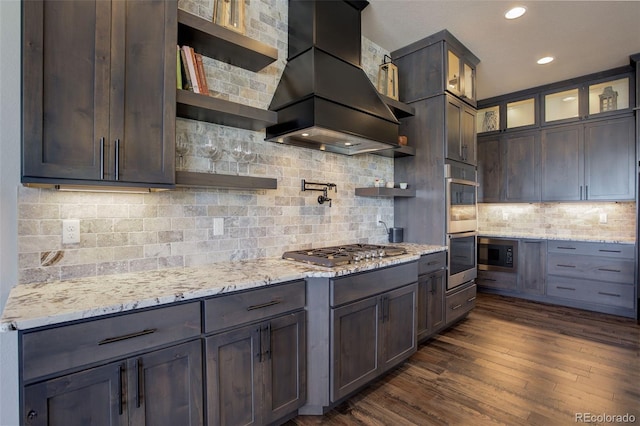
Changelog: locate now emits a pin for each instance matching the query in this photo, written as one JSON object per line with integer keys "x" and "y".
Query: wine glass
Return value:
{"x": 213, "y": 153}
{"x": 182, "y": 148}
{"x": 238, "y": 154}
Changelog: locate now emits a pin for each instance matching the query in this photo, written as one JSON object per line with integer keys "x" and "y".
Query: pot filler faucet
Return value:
{"x": 321, "y": 198}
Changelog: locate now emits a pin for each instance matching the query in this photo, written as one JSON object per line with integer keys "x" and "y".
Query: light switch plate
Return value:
{"x": 70, "y": 231}
{"x": 603, "y": 218}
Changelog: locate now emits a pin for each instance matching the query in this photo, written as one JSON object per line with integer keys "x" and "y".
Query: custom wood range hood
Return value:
{"x": 324, "y": 99}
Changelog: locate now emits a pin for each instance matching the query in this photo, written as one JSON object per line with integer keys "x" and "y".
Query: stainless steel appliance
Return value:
{"x": 343, "y": 255}
{"x": 497, "y": 255}
{"x": 462, "y": 258}
{"x": 461, "y": 198}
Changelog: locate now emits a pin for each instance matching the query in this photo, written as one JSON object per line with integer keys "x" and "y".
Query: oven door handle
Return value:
{"x": 462, "y": 182}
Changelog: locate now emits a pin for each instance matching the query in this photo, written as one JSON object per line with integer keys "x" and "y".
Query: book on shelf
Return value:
{"x": 204, "y": 87}
{"x": 191, "y": 66}
{"x": 179, "y": 84}
{"x": 187, "y": 84}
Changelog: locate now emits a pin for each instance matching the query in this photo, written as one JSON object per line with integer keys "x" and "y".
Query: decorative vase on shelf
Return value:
{"x": 490, "y": 121}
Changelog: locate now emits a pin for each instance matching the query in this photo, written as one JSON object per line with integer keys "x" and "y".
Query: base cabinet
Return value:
{"x": 162, "y": 387}
{"x": 431, "y": 288}
{"x": 255, "y": 374}
{"x": 532, "y": 267}
{"x": 371, "y": 336}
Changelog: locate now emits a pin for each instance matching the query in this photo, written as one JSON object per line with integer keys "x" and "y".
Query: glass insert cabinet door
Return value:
{"x": 609, "y": 96}
{"x": 453, "y": 72}
{"x": 521, "y": 113}
{"x": 561, "y": 105}
{"x": 488, "y": 119}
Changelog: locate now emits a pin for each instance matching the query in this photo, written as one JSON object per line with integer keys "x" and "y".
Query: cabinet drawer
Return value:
{"x": 591, "y": 267}
{"x": 252, "y": 305}
{"x": 459, "y": 303}
{"x": 622, "y": 251}
{"x": 359, "y": 286}
{"x": 432, "y": 262}
{"x": 612, "y": 294}
{"x": 497, "y": 279}
{"x": 58, "y": 349}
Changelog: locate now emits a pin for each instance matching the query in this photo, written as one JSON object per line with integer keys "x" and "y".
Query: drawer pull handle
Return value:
{"x": 565, "y": 288}
{"x": 453, "y": 308}
{"x": 264, "y": 305}
{"x": 435, "y": 262}
{"x": 488, "y": 279}
{"x": 565, "y": 266}
{"x": 610, "y": 251}
{"x": 608, "y": 294}
{"x": 471, "y": 300}
{"x": 608, "y": 270}
{"x": 566, "y": 248}
{"x": 127, "y": 336}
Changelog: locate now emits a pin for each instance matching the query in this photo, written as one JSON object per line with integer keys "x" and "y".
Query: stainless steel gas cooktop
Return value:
{"x": 343, "y": 255}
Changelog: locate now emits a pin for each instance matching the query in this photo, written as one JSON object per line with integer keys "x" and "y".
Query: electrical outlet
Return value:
{"x": 70, "y": 231}
{"x": 505, "y": 216}
{"x": 378, "y": 218}
{"x": 603, "y": 218}
{"x": 218, "y": 226}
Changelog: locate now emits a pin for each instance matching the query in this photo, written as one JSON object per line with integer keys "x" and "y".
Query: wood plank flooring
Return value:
{"x": 511, "y": 362}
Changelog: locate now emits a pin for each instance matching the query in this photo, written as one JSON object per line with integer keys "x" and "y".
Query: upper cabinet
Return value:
{"x": 518, "y": 113}
{"x": 436, "y": 65}
{"x": 460, "y": 131}
{"x": 587, "y": 100}
{"x": 99, "y": 93}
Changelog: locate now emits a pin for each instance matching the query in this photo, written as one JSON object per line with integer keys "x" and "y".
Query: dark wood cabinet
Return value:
{"x": 370, "y": 336}
{"x": 532, "y": 266}
{"x": 431, "y": 289}
{"x": 589, "y": 161}
{"x": 255, "y": 373}
{"x": 99, "y": 93}
{"x": 460, "y": 131}
{"x": 162, "y": 387}
{"x": 509, "y": 167}
{"x": 93, "y": 396}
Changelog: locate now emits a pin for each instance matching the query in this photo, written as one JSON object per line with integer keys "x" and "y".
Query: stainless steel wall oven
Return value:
{"x": 462, "y": 258}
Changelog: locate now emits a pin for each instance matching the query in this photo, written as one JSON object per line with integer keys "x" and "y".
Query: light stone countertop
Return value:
{"x": 39, "y": 304}
{"x": 585, "y": 238}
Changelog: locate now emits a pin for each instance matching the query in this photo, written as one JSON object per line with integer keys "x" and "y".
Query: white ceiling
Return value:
{"x": 584, "y": 36}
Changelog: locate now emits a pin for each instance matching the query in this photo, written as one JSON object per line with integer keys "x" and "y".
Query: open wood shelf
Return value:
{"x": 214, "y": 180}
{"x": 213, "y": 110}
{"x": 402, "y": 151}
{"x": 223, "y": 44}
{"x": 385, "y": 192}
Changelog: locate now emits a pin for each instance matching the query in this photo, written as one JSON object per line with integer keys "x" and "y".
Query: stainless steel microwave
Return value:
{"x": 497, "y": 254}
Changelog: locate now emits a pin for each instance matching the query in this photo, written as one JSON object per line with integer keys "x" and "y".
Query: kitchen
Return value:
{"x": 172, "y": 228}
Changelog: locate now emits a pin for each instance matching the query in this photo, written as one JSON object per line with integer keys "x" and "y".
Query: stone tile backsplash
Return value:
{"x": 563, "y": 220}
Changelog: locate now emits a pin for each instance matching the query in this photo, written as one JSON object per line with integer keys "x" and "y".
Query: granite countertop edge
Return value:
{"x": 583, "y": 238}
{"x": 50, "y": 303}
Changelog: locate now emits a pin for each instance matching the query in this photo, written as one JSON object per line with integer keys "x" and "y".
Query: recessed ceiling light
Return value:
{"x": 515, "y": 12}
{"x": 545, "y": 60}
{"x": 305, "y": 134}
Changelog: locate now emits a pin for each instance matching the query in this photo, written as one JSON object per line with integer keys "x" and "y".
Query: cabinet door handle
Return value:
{"x": 102, "y": 158}
{"x": 259, "y": 354}
{"x": 140, "y": 385}
{"x": 117, "y": 159}
{"x": 565, "y": 266}
{"x": 267, "y": 351}
{"x": 608, "y": 270}
{"x": 586, "y": 192}
{"x": 121, "y": 370}
{"x": 608, "y": 294}
{"x": 127, "y": 336}
{"x": 581, "y": 192}
{"x": 264, "y": 305}
{"x": 565, "y": 288}
{"x": 453, "y": 308}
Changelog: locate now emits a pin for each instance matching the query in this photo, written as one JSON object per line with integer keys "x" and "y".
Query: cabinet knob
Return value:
{"x": 31, "y": 415}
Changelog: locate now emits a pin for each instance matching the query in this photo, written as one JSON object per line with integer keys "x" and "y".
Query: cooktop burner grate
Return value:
{"x": 343, "y": 255}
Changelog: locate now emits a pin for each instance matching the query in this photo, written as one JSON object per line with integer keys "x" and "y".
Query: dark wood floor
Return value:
{"x": 510, "y": 362}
